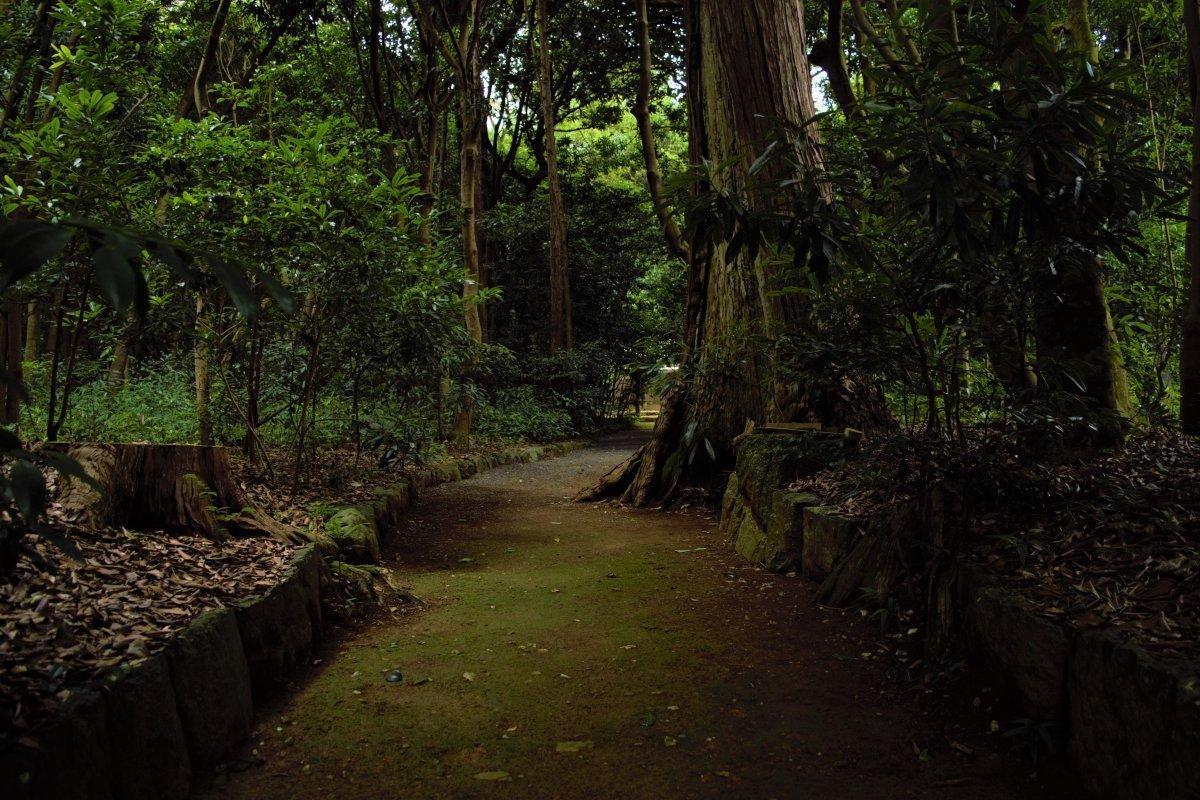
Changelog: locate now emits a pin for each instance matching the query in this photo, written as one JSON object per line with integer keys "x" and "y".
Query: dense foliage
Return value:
{"x": 279, "y": 155}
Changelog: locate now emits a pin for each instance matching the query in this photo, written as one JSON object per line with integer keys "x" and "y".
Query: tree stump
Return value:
{"x": 177, "y": 488}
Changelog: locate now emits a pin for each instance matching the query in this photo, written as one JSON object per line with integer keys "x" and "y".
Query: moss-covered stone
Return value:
{"x": 71, "y": 759}
{"x": 785, "y": 524}
{"x": 776, "y": 542}
{"x": 277, "y": 629}
{"x": 732, "y": 506}
{"x": 149, "y": 753}
{"x": 767, "y": 462}
{"x": 392, "y": 505}
{"x": 828, "y": 536}
{"x": 356, "y": 534}
{"x": 212, "y": 687}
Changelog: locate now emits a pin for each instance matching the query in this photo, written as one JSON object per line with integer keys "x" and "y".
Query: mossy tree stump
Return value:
{"x": 177, "y": 488}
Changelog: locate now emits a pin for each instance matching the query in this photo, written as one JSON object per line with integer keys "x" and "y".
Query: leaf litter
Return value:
{"x": 65, "y": 622}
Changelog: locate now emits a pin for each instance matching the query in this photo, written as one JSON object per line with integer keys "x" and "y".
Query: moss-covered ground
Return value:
{"x": 571, "y": 651}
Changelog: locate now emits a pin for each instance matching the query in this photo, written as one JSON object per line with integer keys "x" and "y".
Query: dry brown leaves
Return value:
{"x": 64, "y": 623}
{"x": 1111, "y": 543}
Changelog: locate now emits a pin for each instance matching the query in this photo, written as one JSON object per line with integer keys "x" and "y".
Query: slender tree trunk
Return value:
{"x": 33, "y": 331}
{"x": 37, "y": 41}
{"x": 58, "y": 409}
{"x": 433, "y": 145}
{"x": 1189, "y": 360}
{"x": 202, "y": 364}
{"x": 11, "y": 351}
{"x": 118, "y": 367}
{"x": 253, "y": 391}
{"x": 195, "y": 99}
{"x": 641, "y": 111}
{"x": 830, "y": 55}
{"x": 471, "y": 121}
{"x": 560, "y": 283}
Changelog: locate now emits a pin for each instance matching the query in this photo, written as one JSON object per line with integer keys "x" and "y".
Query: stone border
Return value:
{"x": 145, "y": 730}
{"x": 356, "y": 531}
{"x": 1130, "y": 720}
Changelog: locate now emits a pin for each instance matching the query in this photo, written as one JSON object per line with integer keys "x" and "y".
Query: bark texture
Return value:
{"x": 748, "y": 71}
{"x": 754, "y": 73}
{"x": 177, "y": 488}
{"x": 1078, "y": 353}
{"x": 561, "y": 334}
{"x": 471, "y": 121}
{"x": 641, "y": 112}
{"x": 11, "y": 351}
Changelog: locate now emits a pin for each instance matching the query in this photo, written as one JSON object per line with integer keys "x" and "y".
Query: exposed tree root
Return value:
{"x": 615, "y": 482}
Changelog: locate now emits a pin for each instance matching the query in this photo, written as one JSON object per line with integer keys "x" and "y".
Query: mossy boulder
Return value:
{"x": 212, "y": 686}
{"x": 356, "y": 534}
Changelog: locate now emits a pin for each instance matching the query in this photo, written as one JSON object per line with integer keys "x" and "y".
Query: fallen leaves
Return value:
{"x": 66, "y": 622}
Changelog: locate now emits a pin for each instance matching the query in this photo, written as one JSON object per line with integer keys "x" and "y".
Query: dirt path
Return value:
{"x": 677, "y": 672}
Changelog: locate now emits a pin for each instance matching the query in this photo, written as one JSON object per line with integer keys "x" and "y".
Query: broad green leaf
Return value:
{"x": 235, "y": 283}
{"x": 115, "y": 275}
{"x": 25, "y": 246}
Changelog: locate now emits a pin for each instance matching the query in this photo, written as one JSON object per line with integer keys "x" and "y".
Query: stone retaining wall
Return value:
{"x": 146, "y": 731}
{"x": 1129, "y": 720}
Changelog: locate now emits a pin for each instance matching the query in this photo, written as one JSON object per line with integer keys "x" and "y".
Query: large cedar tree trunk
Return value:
{"x": 1190, "y": 355}
{"x": 747, "y": 70}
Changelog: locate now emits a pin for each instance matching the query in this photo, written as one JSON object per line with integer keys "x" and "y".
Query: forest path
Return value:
{"x": 662, "y": 669}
